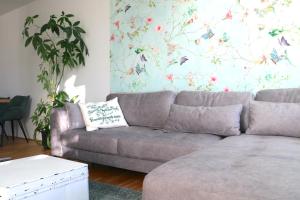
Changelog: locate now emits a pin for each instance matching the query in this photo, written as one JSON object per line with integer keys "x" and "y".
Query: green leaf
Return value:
{"x": 28, "y": 21}
{"x": 44, "y": 28}
{"x": 82, "y": 45}
{"x": 47, "y": 46}
{"x": 68, "y": 21}
{"x": 76, "y": 34}
{"x": 25, "y": 32}
{"x": 56, "y": 30}
{"x": 28, "y": 41}
{"x": 80, "y": 30}
{"x": 139, "y": 50}
{"x": 69, "y": 32}
{"x": 275, "y": 32}
{"x": 34, "y": 43}
{"x": 70, "y": 15}
{"x": 76, "y": 23}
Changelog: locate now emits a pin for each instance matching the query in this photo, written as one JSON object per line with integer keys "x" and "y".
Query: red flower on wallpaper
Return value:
{"x": 117, "y": 24}
{"x": 112, "y": 37}
{"x": 213, "y": 79}
{"x": 158, "y": 28}
{"x": 170, "y": 77}
{"x": 149, "y": 20}
{"x": 226, "y": 89}
{"x": 228, "y": 15}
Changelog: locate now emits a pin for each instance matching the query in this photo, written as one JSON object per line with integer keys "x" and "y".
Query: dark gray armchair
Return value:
{"x": 15, "y": 110}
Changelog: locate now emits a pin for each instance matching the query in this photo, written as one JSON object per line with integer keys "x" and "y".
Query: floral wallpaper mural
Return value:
{"x": 212, "y": 45}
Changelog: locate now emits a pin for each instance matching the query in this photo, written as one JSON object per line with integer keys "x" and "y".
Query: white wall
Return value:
{"x": 19, "y": 65}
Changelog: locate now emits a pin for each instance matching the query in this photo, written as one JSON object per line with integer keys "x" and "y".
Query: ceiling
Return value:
{"x": 9, "y": 5}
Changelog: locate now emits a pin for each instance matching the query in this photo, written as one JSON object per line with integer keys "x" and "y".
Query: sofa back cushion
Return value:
{"x": 279, "y": 95}
{"x": 276, "y": 119}
{"x": 218, "y": 120}
{"x": 196, "y": 98}
{"x": 145, "y": 109}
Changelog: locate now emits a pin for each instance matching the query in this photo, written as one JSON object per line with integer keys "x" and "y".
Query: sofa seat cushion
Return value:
{"x": 161, "y": 146}
{"x": 244, "y": 167}
{"x": 137, "y": 142}
{"x": 100, "y": 141}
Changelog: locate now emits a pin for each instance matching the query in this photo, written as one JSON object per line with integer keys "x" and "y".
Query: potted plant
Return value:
{"x": 60, "y": 45}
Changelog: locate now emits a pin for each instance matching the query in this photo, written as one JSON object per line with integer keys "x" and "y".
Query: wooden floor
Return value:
{"x": 104, "y": 174}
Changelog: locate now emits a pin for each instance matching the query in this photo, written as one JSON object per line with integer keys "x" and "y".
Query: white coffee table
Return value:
{"x": 43, "y": 177}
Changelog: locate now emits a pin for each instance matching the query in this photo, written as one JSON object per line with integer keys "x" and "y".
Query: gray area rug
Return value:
{"x": 101, "y": 191}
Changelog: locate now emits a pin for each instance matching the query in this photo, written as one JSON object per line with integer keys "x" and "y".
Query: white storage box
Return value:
{"x": 43, "y": 177}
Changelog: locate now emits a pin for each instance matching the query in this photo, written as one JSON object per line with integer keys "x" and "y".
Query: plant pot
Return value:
{"x": 45, "y": 140}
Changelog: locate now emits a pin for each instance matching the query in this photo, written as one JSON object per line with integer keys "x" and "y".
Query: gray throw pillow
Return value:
{"x": 277, "y": 119}
{"x": 218, "y": 120}
{"x": 75, "y": 117}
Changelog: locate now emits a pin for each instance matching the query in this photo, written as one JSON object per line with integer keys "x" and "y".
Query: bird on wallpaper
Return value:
{"x": 275, "y": 57}
{"x": 209, "y": 34}
{"x": 143, "y": 58}
{"x": 183, "y": 60}
{"x": 127, "y": 8}
{"x": 283, "y": 41}
{"x": 139, "y": 69}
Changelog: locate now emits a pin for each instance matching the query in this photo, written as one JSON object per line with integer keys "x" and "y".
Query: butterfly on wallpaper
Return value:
{"x": 127, "y": 8}
{"x": 119, "y": 10}
{"x": 225, "y": 38}
{"x": 139, "y": 69}
{"x": 208, "y": 35}
{"x": 283, "y": 42}
{"x": 133, "y": 34}
{"x": 143, "y": 58}
{"x": 263, "y": 60}
{"x": 151, "y": 4}
{"x": 183, "y": 60}
{"x": 275, "y": 57}
{"x": 265, "y": 11}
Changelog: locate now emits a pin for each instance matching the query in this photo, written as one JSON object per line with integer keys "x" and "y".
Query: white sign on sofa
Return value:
{"x": 43, "y": 177}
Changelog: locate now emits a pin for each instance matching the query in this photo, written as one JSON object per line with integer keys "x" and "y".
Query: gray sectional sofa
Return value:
{"x": 192, "y": 166}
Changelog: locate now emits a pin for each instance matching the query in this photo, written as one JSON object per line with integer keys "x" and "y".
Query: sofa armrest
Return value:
{"x": 59, "y": 123}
